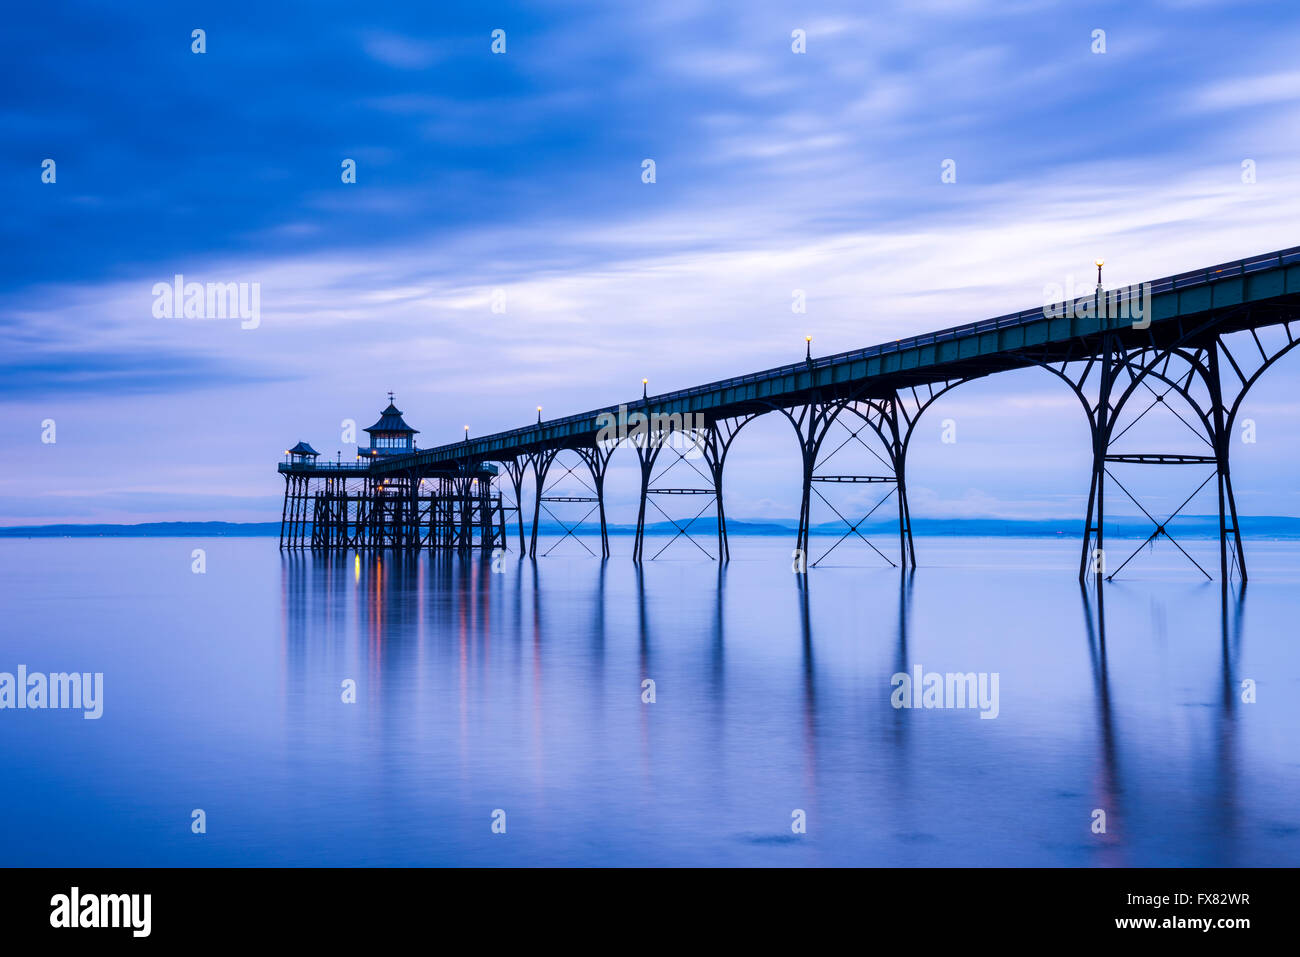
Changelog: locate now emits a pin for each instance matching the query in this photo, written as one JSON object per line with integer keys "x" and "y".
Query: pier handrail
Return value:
{"x": 325, "y": 466}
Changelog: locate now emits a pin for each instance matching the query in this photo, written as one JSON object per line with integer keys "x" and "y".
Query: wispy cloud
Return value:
{"x": 1247, "y": 91}
{"x": 399, "y": 51}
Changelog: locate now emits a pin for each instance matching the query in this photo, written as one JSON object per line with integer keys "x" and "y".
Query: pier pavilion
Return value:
{"x": 349, "y": 505}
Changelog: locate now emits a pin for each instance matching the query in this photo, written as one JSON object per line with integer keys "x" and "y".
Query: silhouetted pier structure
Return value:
{"x": 1206, "y": 335}
{"x": 348, "y": 505}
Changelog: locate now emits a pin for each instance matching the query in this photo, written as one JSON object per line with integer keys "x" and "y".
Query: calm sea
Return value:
{"x": 517, "y": 697}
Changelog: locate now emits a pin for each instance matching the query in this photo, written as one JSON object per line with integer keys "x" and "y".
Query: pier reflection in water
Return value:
{"x": 524, "y": 691}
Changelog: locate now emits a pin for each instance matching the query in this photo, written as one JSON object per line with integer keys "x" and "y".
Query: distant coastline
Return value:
{"x": 1278, "y": 527}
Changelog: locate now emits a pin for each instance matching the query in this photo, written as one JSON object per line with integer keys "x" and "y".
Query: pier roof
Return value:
{"x": 390, "y": 420}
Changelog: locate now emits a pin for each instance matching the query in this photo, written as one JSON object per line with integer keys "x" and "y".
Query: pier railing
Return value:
{"x": 359, "y": 468}
{"x": 356, "y": 467}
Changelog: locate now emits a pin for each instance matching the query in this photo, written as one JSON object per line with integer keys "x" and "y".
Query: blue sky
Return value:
{"x": 522, "y": 172}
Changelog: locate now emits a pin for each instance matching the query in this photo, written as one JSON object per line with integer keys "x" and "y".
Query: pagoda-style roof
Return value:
{"x": 390, "y": 420}
{"x": 302, "y": 448}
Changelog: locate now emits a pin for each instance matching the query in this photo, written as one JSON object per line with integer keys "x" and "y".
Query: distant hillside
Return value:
{"x": 146, "y": 530}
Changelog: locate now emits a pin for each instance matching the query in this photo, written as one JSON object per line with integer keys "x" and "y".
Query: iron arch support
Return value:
{"x": 893, "y": 420}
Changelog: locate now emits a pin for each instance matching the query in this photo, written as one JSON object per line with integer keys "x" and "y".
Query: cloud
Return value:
{"x": 400, "y": 52}
{"x": 158, "y": 372}
{"x": 1258, "y": 90}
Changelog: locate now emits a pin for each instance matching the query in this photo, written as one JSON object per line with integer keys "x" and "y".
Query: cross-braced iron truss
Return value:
{"x": 695, "y": 457}
{"x": 550, "y": 489}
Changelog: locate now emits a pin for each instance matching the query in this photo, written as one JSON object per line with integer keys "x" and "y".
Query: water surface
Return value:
{"x": 522, "y": 691}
